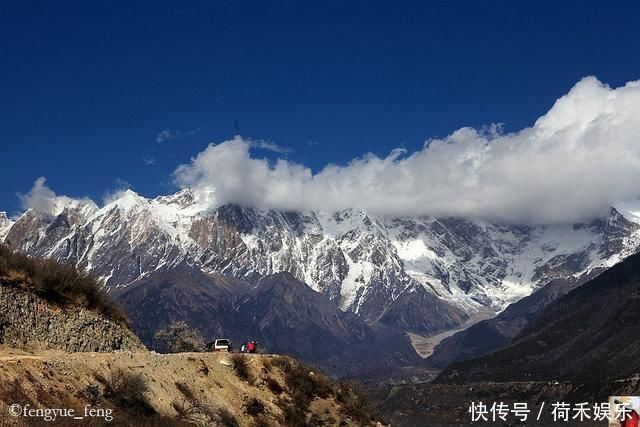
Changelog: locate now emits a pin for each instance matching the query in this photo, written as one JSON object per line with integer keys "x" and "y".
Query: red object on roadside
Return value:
{"x": 630, "y": 422}
{"x": 251, "y": 347}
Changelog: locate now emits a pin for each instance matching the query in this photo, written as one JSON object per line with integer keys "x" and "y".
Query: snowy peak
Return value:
{"x": 182, "y": 199}
{"x": 416, "y": 272}
{"x": 127, "y": 201}
{"x": 5, "y": 225}
{"x": 629, "y": 210}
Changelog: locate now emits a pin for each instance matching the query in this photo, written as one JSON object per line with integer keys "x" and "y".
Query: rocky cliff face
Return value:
{"x": 30, "y": 322}
{"x": 420, "y": 274}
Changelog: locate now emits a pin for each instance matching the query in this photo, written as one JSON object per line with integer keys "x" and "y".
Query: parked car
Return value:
{"x": 221, "y": 344}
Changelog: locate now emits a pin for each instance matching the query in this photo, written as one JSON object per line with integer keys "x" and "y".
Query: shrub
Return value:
{"x": 281, "y": 362}
{"x": 186, "y": 391}
{"x": 191, "y": 409}
{"x": 294, "y": 415}
{"x": 303, "y": 382}
{"x": 127, "y": 390}
{"x": 274, "y": 386}
{"x": 178, "y": 338}
{"x": 226, "y": 418}
{"x": 58, "y": 283}
{"x": 267, "y": 364}
{"x": 254, "y": 407}
{"x": 261, "y": 421}
{"x": 241, "y": 366}
{"x": 354, "y": 404}
{"x": 92, "y": 394}
{"x": 304, "y": 385}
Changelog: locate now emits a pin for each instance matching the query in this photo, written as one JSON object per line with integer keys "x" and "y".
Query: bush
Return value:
{"x": 186, "y": 391}
{"x": 191, "y": 409}
{"x": 58, "y": 283}
{"x": 241, "y": 366}
{"x": 127, "y": 390}
{"x": 92, "y": 394}
{"x": 354, "y": 403}
{"x": 303, "y": 382}
{"x": 179, "y": 338}
{"x": 294, "y": 415}
{"x": 254, "y": 407}
{"x": 226, "y": 418}
{"x": 274, "y": 386}
{"x": 261, "y": 421}
{"x": 303, "y": 385}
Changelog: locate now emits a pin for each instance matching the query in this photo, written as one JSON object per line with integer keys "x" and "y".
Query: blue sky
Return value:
{"x": 87, "y": 87}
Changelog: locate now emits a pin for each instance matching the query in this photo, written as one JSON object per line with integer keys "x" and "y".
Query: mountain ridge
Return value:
{"x": 283, "y": 314}
{"x": 585, "y": 335}
{"x": 441, "y": 271}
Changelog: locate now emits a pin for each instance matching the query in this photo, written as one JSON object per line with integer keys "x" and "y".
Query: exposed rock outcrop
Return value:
{"x": 31, "y": 322}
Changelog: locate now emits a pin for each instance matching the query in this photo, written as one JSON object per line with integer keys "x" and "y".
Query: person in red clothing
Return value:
{"x": 251, "y": 347}
{"x": 632, "y": 421}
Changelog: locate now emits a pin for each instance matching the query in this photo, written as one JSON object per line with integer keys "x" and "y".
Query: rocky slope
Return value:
{"x": 143, "y": 388}
{"x": 78, "y": 353}
{"x": 498, "y": 332}
{"x": 419, "y": 274}
{"x": 45, "y": 305}
{"x": 587, "y": 335}
{"x": 31, "y": 322}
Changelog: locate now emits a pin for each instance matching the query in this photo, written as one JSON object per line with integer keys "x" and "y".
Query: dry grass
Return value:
{"x": 127, "y": 390}
{"x": 304, "y": 385}
{"x": 58, "y": 283}
{"x": 354, "y": 403}
{"x": 192, "y": 409}
{"x": 241, "y": 366}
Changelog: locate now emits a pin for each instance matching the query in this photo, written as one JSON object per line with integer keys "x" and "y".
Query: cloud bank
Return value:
{"x": 44, "y": 201}
{"x": 40, "y": 198}
{"x": 570, "y": 166}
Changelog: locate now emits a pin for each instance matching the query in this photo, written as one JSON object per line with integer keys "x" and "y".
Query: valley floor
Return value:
{"x": 424, "y": 345}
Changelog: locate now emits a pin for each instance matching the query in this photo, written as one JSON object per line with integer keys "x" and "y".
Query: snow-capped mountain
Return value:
{"x": 415, "y": 273}
{"x": 5, "y": 225}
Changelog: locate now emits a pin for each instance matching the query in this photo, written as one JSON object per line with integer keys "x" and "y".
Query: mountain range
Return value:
{"x": 421, "y": 275}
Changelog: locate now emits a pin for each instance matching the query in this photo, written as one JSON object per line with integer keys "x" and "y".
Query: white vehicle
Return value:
{"x": 219, "y": 345}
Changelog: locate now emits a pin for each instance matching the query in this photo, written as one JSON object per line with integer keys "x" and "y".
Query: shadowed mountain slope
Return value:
{"x": 590, "y": 334}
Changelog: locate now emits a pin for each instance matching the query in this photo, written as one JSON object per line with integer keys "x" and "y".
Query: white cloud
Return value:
{"x": 40, "y": 198}
{"x": 121, "y": 187}
{"x": 570, "y": 166}
{"x": 268, "y": 145}
{"x": 43, "y": 200}
{"x": 167, "y": 135}
{"x": 149, "y": 160}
